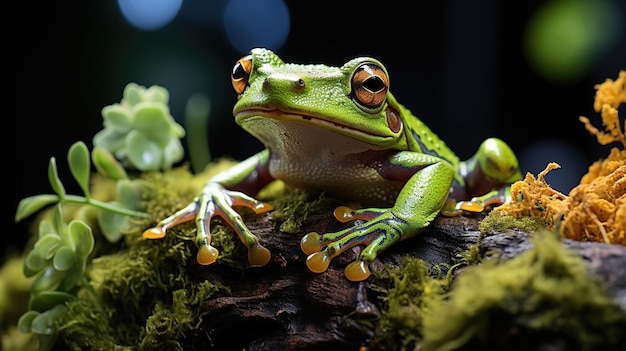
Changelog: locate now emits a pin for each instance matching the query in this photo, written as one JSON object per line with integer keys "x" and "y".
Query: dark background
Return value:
{"x": 460, "y": 67}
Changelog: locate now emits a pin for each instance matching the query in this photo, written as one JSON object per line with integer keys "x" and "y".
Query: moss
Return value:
{"x": 169, "y": 322}
{"x": 232, "y": 251}
{"x": 408, "y": 291}
{"x": 470, "y": 256}
{"x": 543, "y": 294}
{"x": 500, "y": 222}
{"x": 293, "y": 208}
{"x": 86, "y": 327}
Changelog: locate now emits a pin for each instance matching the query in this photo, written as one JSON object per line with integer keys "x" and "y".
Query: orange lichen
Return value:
{"x": 609, "y": 95}
{"x": 533, "y": 197}
{"x": 594, "y": 210}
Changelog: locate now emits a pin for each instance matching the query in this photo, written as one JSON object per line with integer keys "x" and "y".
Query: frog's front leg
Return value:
{"x": 219, "y": 197}
{"x": 417, "y": 205}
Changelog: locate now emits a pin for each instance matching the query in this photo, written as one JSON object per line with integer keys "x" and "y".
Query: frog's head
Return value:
{"x": 352, "y": 100}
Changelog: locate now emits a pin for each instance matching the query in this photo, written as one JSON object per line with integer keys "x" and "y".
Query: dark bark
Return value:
{"x": 284, "y": 306}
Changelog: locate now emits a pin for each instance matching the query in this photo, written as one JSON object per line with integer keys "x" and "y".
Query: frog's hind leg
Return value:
{"x": 488, "y": 175}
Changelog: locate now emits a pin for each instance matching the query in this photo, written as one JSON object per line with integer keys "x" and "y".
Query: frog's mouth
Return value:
{"x": 247, "y": 115}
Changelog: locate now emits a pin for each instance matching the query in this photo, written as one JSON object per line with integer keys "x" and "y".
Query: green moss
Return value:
{"x": 167, "y": 325}
{"x": 232, "y": 250}
{"x": 292, "y": 208}
{"x": 499, "y": 222}
{"x": 469, "y": 257}
{"x": 545, "y": 292}
{"x": 84, "y": 326}
{"x": 412, "y": 287}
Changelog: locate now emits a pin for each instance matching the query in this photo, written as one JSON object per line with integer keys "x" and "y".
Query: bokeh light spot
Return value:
{"x": 256, "y": 23}
{"x": 565, "y": 37}
{"x": 149, "y": 14}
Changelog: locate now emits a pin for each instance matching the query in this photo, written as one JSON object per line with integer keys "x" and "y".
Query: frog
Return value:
{"x": 340, "y": 131}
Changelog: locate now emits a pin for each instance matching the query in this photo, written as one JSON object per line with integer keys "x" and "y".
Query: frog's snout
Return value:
{"x": 283, "y": 82}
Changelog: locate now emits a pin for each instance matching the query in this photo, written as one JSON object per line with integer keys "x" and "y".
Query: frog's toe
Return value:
{"x": 258, "y": 255}
{"x": 207, "y": 254}
{"x": 311, "y": 243}
{"x": 318, "y": 262}
{"x": 241, "y": 199}
{"x": 471, "y": 206}
{"x": 357, "y": 271}
{"x": 157, "y": 232}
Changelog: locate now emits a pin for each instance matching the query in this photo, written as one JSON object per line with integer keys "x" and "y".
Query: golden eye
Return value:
{"x": 240, "y": 74}
{"x": 369, "y": 85}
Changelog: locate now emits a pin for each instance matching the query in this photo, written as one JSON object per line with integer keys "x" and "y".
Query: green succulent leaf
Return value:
{"x": 173, "y": 152}
{"x": 72, "y": 277}
{"x": 177, "y": 130}
{"x": 132, "y": 94}
{"x": 53, "y": 178}
{"x": 106, "y": 164}
{"x": 57, "y": 220}
{"x": 117, "y": 117}
{"x": 130, "y": 192}
{"x": 47, "y": 245}
{"x": 48, "y": 280}
{"x": 30, "y": 205}
{"x": 112, "y": 225}
{"x": 80, "y": 166}
{"x": 81, "y": 236}
{"x": 44, "y": 228}
{"x": 157, "y": 93}
{"x": 151, "y": 119}
{"x": 110, "y": 139}
{"x": 26, "y": 320}
{"x": 46, "y": 300}
{"x": 44, "y": 323}
{"x": 142, "y": 152}
{"x": 64, "y": 258}
{"x": 33, "y": 264}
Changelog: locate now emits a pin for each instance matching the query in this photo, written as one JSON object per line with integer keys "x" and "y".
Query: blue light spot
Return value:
{"x": 256, "y": 23}
{"x": 149, "y": 14}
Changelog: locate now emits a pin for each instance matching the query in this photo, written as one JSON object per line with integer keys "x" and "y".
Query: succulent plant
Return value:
{"x": 57, "y": 260}
{"x": 140, "y": 131}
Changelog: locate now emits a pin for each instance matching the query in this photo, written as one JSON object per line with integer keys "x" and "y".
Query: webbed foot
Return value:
{"x": 217, "y": 201}
{"x": 381, "y": 229}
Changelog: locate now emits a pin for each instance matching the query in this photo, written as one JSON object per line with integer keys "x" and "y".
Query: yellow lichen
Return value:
{"x": 594, "y": 210}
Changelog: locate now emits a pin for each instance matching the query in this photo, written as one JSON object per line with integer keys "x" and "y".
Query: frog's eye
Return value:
{"x": 369, "y": 85}
{"x": 241, "y": 72}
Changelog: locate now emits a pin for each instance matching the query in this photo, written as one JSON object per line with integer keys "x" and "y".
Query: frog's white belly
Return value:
{"x": 309, "y": 157}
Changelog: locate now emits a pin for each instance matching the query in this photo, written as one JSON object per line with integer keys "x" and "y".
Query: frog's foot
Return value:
{"x": 217, "y": 201}
{"x": 477, "y": 204}
{"x": 381, "y": 229}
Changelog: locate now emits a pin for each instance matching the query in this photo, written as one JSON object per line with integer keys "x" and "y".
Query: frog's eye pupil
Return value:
{"x": 369, "y": 85}
{"x": 240, "y": 73}
{"x": 374, "y": 84}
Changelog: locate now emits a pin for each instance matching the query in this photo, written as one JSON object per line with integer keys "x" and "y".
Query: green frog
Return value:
{"x": 341, "y": 131}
